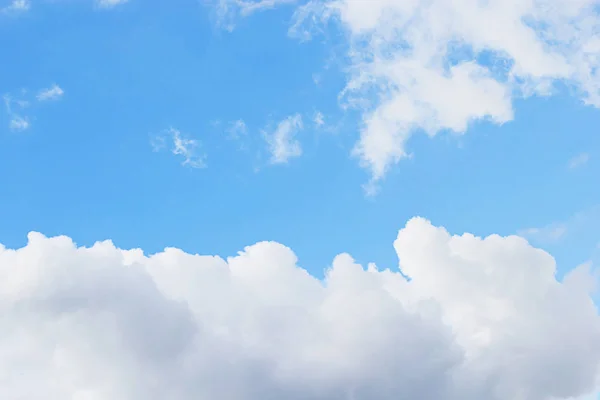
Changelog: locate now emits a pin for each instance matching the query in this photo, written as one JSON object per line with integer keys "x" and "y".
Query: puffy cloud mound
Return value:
{"x": 468, "y": 318}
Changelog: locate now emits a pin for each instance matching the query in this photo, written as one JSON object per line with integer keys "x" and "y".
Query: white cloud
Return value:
{"x": 319, "y": 119}
{"x": 53, "y": 92}
{"x": 179, "y": 145}
{"x": 186, "y": 148}
{"x": 16, "y": 6}
{"x": 550, "y": 233}
{"x": 237, "y": 128}
{"x": 110, "y": 3}
{"x": 431, "y": 66}
{"x": 479, "y": 319}
{"x": 579, "y": 160}
{"x": 228, "y": 11}
{"x": 282, "y": 143}
{"x": 582, "y": 223}
{"x": 308, "y": 21}
{"x": 18, "y": 123}
{"x": 316, "y": 79}
{"x": 248, "y": 7}
{"x": 15, "y": 105}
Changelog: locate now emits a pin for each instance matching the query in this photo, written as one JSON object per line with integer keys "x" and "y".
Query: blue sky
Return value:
{"x": 86, "y": 167}
{"x": 325, "y": 126}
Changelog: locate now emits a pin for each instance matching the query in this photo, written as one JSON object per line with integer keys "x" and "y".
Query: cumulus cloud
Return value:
{"x": 432, "y": 66}
{"x": 282, "y": 142}
{"x": 53, "y": 92}
{"x": 180, "y": 145}
{"x": 478, "y": 318}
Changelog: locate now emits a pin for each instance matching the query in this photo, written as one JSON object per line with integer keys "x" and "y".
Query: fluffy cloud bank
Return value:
{"x": 476, "y": 319}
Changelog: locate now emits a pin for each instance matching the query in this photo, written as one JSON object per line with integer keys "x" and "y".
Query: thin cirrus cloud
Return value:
{"x": 20, "y": 6}
{"x": 227, "y": 11}
{"x": 582, "y": 223}
{"x": 432, "y": 66}
{"x": 14, "y": 109}
{"x": 178, "y": 144}
{"x": 237, "y": 128}
{"x": 108, "y": 4}
{"x": 579, "y": 160}
{"x": 107, "y": 323}
{"x": 53, "y": 92}
{"x": 547, "y": 234}
{"x": 19, "y": 107}
{"x": 18, "y": 123}
{"x": 282, "y": 142}
{"x": 318, "y": 119}
{"x": 16, "y": 7}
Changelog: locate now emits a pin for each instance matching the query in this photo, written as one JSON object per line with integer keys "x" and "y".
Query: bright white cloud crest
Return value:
{"x": 479, "y": 319}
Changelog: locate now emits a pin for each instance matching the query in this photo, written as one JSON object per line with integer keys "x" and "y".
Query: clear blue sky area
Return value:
{"x": 86, "y": 166}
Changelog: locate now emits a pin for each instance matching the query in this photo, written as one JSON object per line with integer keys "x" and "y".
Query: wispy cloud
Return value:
{"x": 17, "y": 121}
{"x": 282, "y": 142}
{"x": 53, "y": 92}
{"x": 556, "y": 231}
{"x": 16, "y": 6}
{"x": 319, "y": 119}
{"x": 546, "y": 234}
{"x": 109, "y": 3}
{"x": 228, "y": 11}
{"x": 578, "y": 160}
{"x": 15, "y": 105}
{"x": 187, "y": 149}
{"x": 237, "y": 128}
{"x": 248, "y": 7}
{"x": 179, "y": 145}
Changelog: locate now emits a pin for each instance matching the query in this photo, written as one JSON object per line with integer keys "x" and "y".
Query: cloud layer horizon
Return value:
{"x": 464, "y": 318}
